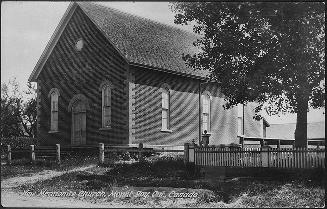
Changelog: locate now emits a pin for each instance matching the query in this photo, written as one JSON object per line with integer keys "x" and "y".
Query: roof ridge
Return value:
{"x": 140, "y": 17}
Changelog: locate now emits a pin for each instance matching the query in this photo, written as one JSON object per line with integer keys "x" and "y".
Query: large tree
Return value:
{"x": 18, "y": 111}
{"x": 267, "y": 52}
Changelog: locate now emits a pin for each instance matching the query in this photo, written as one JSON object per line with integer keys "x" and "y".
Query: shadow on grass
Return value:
{"x": 159, "y": 173}
{"x": 24, "y": 166}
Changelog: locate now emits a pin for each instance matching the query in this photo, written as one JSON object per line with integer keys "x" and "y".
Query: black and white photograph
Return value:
{"x": 157, "y": 104}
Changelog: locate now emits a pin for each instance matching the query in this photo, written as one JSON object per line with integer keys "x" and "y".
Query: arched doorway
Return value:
{"x": 78, "y": 106}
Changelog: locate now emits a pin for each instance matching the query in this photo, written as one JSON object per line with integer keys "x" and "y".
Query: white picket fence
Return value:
{"x": 259, "y": 157}
{"x": 296, "y": 158}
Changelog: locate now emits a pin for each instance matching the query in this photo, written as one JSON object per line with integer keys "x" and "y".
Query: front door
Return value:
{"x": 78, "y": 123}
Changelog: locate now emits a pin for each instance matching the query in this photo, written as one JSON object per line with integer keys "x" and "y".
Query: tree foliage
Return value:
{"x": 29, "y": 114}
{"x": 267, "y": 52}
{"x": 18, "y": 117}
{"x": 10, "y": 109}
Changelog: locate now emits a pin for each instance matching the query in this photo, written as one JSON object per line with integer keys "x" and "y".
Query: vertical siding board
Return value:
{"x": 229, "y": 156}
{"x": 310, "y": 159}
{"x": 254, "y": 160}
{"x": 252, "y": 157}
{"x": 220, "y": 157}
{"x": 286, "y": 157}
{"x": 244, "y": 157}
{"x": 291, "y": 157}
{"x": 306, "y": 158}
{"x": 303, "y": 157}
{"x": 322, "y": 159}
{"x": 297, "y": 157}
{"x": 322, "y": 156}
{"x": 318, "y": 160}
{"x": 300, "y": 157}
{"x": 202, "y": 156}
{"x": 212, "y": 154}
{"x": 208, "y": 156}
{"x": 215, "y": 156}
{"x": 232, "y": 156}
{"x": 224, "y": 156}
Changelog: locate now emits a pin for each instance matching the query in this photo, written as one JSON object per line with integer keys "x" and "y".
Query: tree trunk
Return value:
{"x": 301, "y": 136}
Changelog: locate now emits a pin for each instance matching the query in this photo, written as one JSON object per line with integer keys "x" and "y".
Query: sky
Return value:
{"x": 26, "y": 28}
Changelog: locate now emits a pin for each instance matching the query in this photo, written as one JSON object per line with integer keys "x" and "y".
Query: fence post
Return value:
{"x": 265, "y": 156}
{"x": 101, "y": 153}
{"x": 9, "y": 155}
{"x": 278, "y": 145}
{"x": 191, "y": 153}
{"x": 186, "y": 153}
{"x": 58, "y": 153}
{"x": 242, "y": 141}
{"x": 140, "y": 152}
{"x": 32, "y": 154}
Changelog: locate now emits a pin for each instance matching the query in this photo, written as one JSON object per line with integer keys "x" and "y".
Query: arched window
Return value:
{"x": 54, "y": 96}
{"x": 106, "y": 88}
{"x": 165, "y": 109}
{"x": 206, "y": 112}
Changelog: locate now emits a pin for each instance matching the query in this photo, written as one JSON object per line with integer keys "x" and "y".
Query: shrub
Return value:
{"x": 18, "y": 142}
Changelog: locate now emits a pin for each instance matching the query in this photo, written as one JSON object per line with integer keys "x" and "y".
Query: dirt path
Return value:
{"x": 41, "y": 176}
{"x": 13, "y": 199}
{"x": 10, "y": 198}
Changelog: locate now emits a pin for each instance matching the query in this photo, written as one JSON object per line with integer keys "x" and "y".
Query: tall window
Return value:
{"x": 205, "y": 113}
{"x": 54, "y": 95}
{"x": 106, "y": 106}
{"x": 165, "y": 109}
{"x": 240, "y": 127}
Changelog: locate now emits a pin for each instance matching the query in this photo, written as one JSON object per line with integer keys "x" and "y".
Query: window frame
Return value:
{"x": 165, "y": 108}
{"x": 54, "y": 110}
{"x": 206, "y": 97}
{"x": 106, "y": 105}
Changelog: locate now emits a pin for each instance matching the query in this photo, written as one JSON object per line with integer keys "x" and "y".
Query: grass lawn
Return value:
{"x": 164, "y": 182}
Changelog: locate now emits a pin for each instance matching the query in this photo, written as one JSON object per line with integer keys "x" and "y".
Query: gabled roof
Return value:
{"x": 141, "y": 41}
